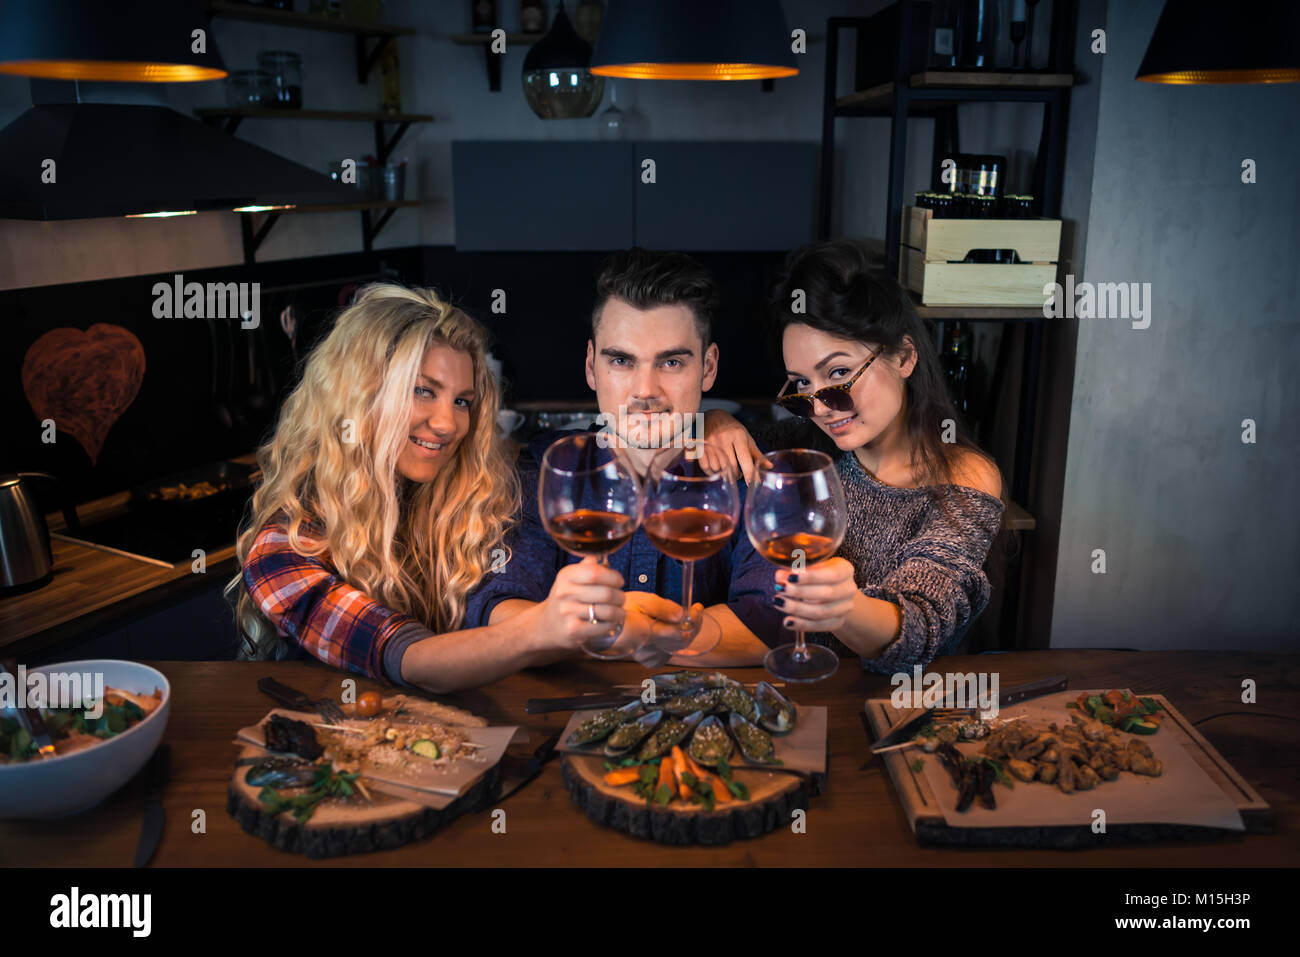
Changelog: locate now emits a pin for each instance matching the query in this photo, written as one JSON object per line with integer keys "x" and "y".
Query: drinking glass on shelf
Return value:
{"x": 590, "y": 503}
{"x": 690, "y": 513}
{"x": 795, "y": 516}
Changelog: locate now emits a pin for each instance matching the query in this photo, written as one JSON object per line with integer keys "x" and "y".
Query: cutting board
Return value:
{"x": 928, "y": 823}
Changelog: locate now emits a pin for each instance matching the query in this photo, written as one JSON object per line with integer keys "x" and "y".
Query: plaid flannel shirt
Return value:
{"x": 315, "y": 609}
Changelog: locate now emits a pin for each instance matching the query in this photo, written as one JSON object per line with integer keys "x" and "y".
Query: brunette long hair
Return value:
{"x": 845, "y": 296}
{"x": 417, "y": 548}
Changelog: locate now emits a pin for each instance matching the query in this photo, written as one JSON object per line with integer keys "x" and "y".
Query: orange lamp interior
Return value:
{"x": 694, "y": 71}
{"x": 1182, "y": 77}
{"x": 120, "y": 71}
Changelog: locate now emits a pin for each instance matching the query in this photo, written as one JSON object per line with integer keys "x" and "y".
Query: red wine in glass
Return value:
{"x": 590, "y": 532}
{"x": 691, "y": 512}
{"x": 689, "y": 534}
{"x": 795, "y": 516}
{"x": 787, "y": 550}
{"x": 589, "y": 500}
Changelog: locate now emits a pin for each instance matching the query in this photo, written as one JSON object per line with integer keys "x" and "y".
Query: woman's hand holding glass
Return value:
{"x": 819, "y": 597}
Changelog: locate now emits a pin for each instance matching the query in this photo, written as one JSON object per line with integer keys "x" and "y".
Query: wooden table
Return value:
{"x": 857, "y": 821}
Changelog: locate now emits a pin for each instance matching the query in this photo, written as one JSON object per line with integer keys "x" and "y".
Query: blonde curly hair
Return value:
{"x": 329, "y": 472}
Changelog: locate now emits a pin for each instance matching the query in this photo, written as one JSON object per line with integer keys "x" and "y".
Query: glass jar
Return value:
{"x": 285, "y": 69}
{"x": 246, "y": 88}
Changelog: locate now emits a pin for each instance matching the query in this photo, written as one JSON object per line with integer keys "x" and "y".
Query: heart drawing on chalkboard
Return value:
{"x": 84, "y": 381}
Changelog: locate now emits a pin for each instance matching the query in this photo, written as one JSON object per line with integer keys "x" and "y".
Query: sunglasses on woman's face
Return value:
{"x": 836, "y": 397}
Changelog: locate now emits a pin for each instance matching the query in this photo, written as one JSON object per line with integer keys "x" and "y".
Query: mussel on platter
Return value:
{"x": 710, "y": 743}
{"x": 631, "y": 733}
{"x": 281, "y": 773}
{"x": 704, "y": 699}
{"x": 679, "y": 682}
{"x": 670, "y": 732}
{"x": 776, "y": 712}
{"x": 755, "y": 744}
{"x": 736, "y": 699}
{"x": 600, "y": 725}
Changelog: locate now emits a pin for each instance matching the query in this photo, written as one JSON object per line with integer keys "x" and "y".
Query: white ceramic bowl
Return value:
{"x": 70, "y": 783}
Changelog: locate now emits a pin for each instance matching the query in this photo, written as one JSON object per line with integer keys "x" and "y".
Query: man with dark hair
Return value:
{"x": 649, "y": 360}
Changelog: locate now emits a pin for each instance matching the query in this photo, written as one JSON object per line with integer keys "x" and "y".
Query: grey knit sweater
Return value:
{"x": 907, "y": 549}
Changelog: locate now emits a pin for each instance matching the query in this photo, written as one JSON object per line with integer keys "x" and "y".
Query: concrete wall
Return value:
{"x": 1201, "y": 532}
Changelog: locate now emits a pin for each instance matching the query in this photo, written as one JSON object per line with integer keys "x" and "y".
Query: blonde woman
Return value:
{"x": 384, "y": 495}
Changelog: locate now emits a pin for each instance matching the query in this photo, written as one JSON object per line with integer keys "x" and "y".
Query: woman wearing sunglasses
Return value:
{"x": 924, "y": 503}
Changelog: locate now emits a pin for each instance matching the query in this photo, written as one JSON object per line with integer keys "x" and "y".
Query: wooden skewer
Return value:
{"x": 897, "y": 747}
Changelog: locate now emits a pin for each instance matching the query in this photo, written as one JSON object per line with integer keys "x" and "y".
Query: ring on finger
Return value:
{"x": 591, "y": 615}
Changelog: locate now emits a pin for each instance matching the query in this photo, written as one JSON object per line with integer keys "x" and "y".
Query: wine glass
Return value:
{"x": 590, "y": 503}
{"x": 690, "y": 513}
{"x": 795, "y": 515}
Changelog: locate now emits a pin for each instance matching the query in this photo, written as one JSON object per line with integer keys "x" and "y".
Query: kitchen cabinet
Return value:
{"x": 580, "y": 196}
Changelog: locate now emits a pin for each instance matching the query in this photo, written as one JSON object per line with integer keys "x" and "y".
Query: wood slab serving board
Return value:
{"x": 926, "y": 815}
{"x": 773, "y": 794}
{"x": 773, "y": 797}
{"x": 356, "y": 826}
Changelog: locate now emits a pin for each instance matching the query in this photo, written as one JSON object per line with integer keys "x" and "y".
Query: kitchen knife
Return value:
{"x": 155, "y": 778}
{"x": 577, "y": 703}
{"x": 1032, "y": 689}
{"x": 514, "y": 781}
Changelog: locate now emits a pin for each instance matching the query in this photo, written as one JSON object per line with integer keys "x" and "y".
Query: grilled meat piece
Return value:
{"x": 1022, "y": 769}
{"x": 292, "y": 737}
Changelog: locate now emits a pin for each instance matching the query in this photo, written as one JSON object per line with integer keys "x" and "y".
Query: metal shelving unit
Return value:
{"x": 916, "y": 91}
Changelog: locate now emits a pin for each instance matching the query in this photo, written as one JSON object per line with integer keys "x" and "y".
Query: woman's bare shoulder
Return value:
{"x": 977, "y": 471}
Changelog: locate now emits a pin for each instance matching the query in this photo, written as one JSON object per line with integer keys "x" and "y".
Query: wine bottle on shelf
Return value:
{"x": 532, "y": 16}
{"x": 975, "y": 36}
{"x": 482, "y": 15}
{"x": 943, "y": 34}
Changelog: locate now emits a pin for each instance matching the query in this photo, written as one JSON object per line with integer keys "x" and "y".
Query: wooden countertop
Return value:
{"x": 91, "y": 580}
{"x": 858, "y": 819}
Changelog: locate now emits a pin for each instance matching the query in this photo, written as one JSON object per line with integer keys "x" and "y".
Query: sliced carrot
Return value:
{"x": 721, "y": 794}
{"x": 666, "y": 778}
{"x": 622, "y": 776}
{"x": 679, "y": 766}
{"x": 694, "y": 768}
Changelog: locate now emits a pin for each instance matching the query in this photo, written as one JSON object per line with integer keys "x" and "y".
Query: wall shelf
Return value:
{"x": 494, "y": 59}
{"x": 381, "y": 33}
{"x": 255, "y": 233}
{"x": 933, "y": 91}
{"x": 231, "y": 117}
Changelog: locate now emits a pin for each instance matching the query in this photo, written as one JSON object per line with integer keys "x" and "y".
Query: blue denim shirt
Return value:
{"x": 736, "y": 576}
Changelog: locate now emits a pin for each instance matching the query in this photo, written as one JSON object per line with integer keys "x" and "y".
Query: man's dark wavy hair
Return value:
{"x": 646, "y": 278}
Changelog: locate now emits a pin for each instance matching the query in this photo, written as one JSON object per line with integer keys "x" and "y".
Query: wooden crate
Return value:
{"x": 930, "y": 259}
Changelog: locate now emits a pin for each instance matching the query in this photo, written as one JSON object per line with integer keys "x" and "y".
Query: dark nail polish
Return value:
{"x": 793, "y": 579}
{"x": 778, "y": 587}
{"x": 788, "y": 623}
{"x": 778, "y": 601}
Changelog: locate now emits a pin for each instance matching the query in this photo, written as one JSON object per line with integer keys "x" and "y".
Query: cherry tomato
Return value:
{"x": 369, "y": 704}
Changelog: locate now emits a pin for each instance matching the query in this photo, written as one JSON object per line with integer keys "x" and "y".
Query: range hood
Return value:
{"x": 114, "y": 158}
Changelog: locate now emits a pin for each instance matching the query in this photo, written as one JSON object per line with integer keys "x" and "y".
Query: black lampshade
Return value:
{"x": 1209, "y": 41}
{"x": 694, "y": 40}
{"x": 134, "y": 41}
